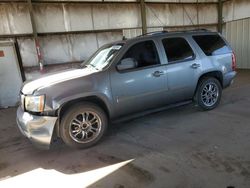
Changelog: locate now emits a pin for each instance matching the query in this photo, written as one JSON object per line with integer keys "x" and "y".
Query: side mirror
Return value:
{"x": 128, "y": 63}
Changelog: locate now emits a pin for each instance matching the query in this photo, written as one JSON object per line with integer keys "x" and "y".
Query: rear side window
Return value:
{"x": 177, "y": 49}
{"x": 212, "y": 44}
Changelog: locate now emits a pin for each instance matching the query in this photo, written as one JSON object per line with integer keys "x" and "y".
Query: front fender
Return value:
{"x": 59, "y": 104}
{"x": 97, "y": 84}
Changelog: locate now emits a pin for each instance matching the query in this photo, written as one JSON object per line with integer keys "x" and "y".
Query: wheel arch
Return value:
{"x": 215, "y": 74}
{"x": 91, "y": 99}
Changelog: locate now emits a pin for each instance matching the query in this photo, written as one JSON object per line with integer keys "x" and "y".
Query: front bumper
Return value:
{"x": 39, "y": 129}
{"x": 228, "y": 78}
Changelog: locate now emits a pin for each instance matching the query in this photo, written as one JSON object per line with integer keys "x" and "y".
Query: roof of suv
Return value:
{"x": 184, "y": 32}
{"x": 165, "y": 33}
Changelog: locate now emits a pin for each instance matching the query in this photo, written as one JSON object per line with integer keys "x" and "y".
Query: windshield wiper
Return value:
{"x": 83, "y": 66}
{"x": 93, "y": 66}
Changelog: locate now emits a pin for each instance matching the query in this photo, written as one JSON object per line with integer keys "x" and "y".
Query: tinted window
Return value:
{"x": 177, "y": 49}
{"x": 212, "y": 44}
{"x": 144, "y": 53}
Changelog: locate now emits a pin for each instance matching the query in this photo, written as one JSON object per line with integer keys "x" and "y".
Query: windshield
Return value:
{"x": 103, "y": 56}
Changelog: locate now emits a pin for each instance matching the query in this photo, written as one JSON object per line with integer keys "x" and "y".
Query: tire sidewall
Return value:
{"x": 71, "y": 113}
{"x": 202, "y": 84}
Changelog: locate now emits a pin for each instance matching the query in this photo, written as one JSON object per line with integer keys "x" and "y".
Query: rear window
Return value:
{"x": 177, "y": 50}
{"x": 212, "y": 44}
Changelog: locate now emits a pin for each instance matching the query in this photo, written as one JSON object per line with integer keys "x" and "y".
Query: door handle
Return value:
{"x": 158, "y": 73}
{"x": 195, "y": 65}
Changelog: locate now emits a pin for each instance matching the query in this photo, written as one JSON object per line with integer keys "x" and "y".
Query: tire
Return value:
{"x": 83, "y": 125}
{"x": 208, "y": 93}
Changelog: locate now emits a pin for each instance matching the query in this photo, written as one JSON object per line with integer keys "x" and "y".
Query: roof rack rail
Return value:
{"x": 192, "y": 30}
{"x": 201, "y": 29}
{"x": 177, "y": 31}
{"x": 153, "y": 33}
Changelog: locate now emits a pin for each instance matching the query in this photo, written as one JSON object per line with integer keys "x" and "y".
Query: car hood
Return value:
{"x": 46, "y": 81}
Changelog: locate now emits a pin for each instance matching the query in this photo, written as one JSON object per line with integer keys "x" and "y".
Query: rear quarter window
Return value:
{"x": 212, "y": 44}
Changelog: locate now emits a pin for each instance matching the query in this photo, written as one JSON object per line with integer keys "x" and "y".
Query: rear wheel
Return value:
{"x": 208, "y": 93}
{"x": 83, "y": 125}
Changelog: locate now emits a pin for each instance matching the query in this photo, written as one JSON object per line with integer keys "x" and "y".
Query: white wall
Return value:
{"x": 236, "y": 9}
{"x": 177, "y": 14}
{"x": 124, "y": 18}
{"x": 85, "y": 17}
{"x": 14, "y": 19}
{"x": 64, "y": 48}
{"x": 237, "y": 30}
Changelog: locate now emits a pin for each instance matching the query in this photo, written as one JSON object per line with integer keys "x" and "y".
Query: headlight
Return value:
{"x": 35, "y": 103}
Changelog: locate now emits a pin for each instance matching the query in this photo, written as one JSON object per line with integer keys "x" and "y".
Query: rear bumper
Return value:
{"x": 39, "y": 129}
{"x": 228, "y": 78}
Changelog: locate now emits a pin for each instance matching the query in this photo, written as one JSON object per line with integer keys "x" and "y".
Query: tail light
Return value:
{"x": 233, "y": 61}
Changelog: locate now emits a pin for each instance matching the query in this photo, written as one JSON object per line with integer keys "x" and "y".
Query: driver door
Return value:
{"x": 142, "y": 87}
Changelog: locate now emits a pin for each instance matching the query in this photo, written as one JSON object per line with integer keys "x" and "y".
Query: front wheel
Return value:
{"x": 208, "y": 93}
{"x": 83, "y": 125}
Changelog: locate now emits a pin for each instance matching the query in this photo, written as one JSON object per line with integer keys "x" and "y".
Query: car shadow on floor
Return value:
{"x": 18, "y": 155}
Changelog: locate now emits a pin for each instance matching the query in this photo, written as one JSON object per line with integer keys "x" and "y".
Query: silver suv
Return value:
{"x": 124, "y": 78}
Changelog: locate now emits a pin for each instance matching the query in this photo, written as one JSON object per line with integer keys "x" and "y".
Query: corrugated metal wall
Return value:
{"x": 71, "y": 32}
{"x": 237, "y": 33}
{"x": 236, "y": 15}
{"x": 94, "y": 24}
{"x": 236, "y": 9}
{"x": 58, "y": 49}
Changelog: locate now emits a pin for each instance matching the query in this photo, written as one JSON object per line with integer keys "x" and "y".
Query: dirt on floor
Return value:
{"x": 181, "y": 147}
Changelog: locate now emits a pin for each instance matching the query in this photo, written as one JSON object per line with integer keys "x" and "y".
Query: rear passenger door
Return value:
{"x": 182, "y": 68}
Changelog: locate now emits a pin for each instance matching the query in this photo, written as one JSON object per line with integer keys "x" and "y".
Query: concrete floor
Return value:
{"x": 181, "y": 147}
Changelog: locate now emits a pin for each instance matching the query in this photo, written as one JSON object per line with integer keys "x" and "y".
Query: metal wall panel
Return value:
{"x": 65, "y": 48}
{"x": 166, "y": 1}
{"x": 54, "y": 17}
{"x": 10, "y": 76}
{"x": 164, "y": 14}
{"x": 236, "y": 9}
{"x": 49, "y": 18}
{"x": 84, "y": 17}
{"x": 62, "y": 17}
{"x": 208, "y": 14}
{"x": 155, "y": 29}
{"x": 120, "y": 0}
{"x": 130, "y": 33}
{"x": 115, "y": 16}
{"x": 238, "y": 34}
{"x": 107, "y": 37}
{"x": 13, "y": 18}
{"x": 77, "y": 18}
{"x": 71, "y": 17}
{"x": 28, "y": 52}
{"x": 71, "y": 0}
{"x": 177, "y": 14}
{"x": 183, "y": 1}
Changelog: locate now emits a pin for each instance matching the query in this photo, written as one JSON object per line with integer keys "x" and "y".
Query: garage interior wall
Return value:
{"x": 71, "y": 31}
{"x": 236, "y": 16}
